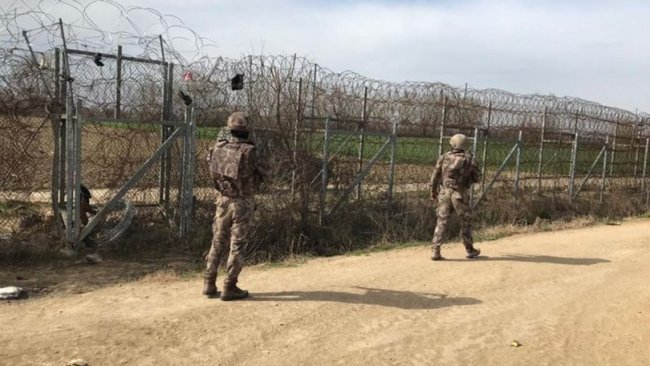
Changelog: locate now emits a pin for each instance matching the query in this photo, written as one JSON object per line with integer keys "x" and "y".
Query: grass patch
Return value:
{"x": 18, "y": 208}
{"x": 290, "y": 262}
{"x": 383, "y": 247}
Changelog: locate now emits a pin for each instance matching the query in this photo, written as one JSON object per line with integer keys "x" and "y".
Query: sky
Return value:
{"x": 596, "y": 50}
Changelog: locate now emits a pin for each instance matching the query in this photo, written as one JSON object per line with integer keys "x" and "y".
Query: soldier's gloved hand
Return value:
{"x": 434, "y": 195}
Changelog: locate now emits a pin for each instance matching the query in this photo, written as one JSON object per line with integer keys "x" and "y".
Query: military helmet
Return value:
{"x": 238, "y": 122}
{"x": 458, "y": 141}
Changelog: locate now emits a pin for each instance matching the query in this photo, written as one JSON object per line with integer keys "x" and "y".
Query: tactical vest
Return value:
{"x": 457, "y": 170}
{"x": 232, "y": 168}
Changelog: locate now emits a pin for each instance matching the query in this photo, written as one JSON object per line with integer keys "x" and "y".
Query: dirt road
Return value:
{"x": 575, "y": 297}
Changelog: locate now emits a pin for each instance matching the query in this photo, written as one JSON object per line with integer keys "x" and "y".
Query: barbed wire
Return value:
{"x": 103, "y": 25}
{"x": 288, "y": 98}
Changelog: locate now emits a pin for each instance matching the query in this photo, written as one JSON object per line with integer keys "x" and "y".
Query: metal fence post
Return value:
{"x": 77, "y": 171}
{"x": 362, "y": 137}
{"x": 645, "y": 165}
{"x": 474, "y": 148}
{"x": 63, "y": 102}
{"x": 313, "y": 93}
{"x": 637, "y": 142}
{"x": 190, "y": 171}
{"x": 485, "y": 146}
{"x": 541, "y": 152}
{"x": 572, "y": 174}
{"x": 118, "y": 84}
{"x": 442, "y": 125}
{"x": 69, "y": 186}
{"x": 295, "y": 141}
{"x": 604, "y": 171}
{"x": 518, "y": 164}
{"x": 56, "y": 131}
{"x": 324, "y": 175}
{"x": 187, "y": 179}
{"x": 613, "y": 162}
{"x": 170, "y": 130}
{"x": 163, "y": 133}
{"x": 163, "y": 118}
{"x": 393, "y": 157}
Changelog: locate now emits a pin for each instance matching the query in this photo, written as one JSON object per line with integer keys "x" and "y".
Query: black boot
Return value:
{"x": 232, "y": 292}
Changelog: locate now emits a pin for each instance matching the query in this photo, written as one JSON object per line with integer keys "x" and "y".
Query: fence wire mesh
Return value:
{"x": 309, "y": 122}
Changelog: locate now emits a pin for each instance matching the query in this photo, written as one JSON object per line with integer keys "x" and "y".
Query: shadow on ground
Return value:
{"x": 371, "y": 296}
{"x": 537, "y": 259}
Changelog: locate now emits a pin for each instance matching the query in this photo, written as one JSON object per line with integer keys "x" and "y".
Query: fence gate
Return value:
{"x": 184, "y": 133}
{"x": 515, "y": 151}
{"x": 385, "y": 141}
{"x": 157, "y": 131}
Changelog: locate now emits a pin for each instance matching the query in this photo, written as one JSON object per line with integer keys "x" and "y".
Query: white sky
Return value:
{"x": 597, "y": 50}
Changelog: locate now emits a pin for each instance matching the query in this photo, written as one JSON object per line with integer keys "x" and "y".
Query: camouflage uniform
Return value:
{"x": 237, "y": 172}
{"x": 455, "y": 172}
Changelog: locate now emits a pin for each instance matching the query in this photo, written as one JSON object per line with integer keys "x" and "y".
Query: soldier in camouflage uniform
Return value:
{"x": 237, "y": 171}
{"x": 455, "y": 172}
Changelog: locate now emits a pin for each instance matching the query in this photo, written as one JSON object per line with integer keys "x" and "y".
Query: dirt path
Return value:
{"x": 575, "y": 297}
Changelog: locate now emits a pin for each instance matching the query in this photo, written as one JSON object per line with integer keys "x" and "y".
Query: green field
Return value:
{"x": 424, "y": 151}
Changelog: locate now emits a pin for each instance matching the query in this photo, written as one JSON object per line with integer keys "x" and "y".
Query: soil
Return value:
{"x": 572, "y": 297}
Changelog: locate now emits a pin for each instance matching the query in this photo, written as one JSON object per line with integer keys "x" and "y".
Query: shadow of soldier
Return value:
{"x": 537, "y": 259}
{"x": 371, "y": 296}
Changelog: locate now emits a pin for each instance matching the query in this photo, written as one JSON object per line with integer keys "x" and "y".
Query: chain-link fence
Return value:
{"x": 338, "y": 143}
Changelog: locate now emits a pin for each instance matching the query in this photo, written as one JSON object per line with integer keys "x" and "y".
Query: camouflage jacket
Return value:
{"x": 236, "y": 168}
{"x": 455, "y": 169}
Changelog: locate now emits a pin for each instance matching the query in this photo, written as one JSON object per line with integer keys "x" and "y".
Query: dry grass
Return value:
{"x": 162, "y": 276}
{"x": 500, "y": 231}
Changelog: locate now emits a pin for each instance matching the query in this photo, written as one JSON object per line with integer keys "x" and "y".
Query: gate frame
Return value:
{"x": 391, "y": 141}
{"x": 67, "y": 163}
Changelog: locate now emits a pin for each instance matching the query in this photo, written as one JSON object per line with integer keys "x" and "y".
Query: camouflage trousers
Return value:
{"x": 231, "y": 228}
{"x": 448, "y": 200}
